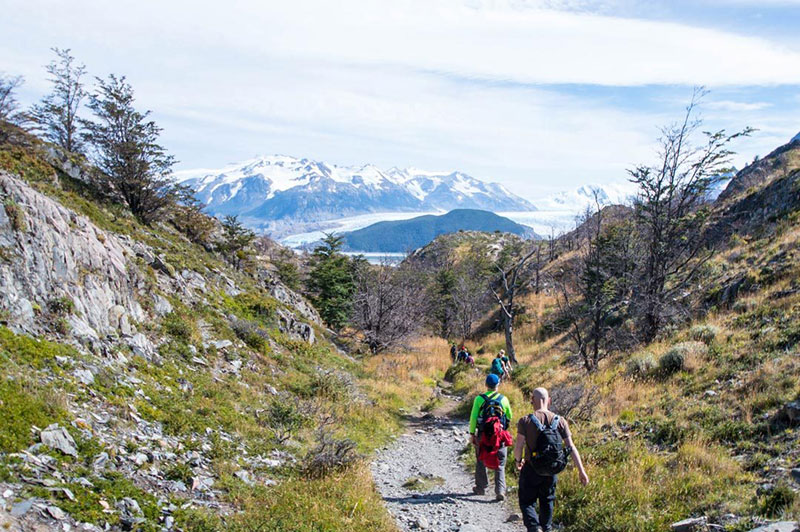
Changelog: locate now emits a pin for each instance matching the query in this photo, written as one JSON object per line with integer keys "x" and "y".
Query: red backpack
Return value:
{"x": 493, "y": 437}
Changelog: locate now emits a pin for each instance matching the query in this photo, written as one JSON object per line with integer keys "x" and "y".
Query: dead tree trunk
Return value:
{"x": 504, "y": 290}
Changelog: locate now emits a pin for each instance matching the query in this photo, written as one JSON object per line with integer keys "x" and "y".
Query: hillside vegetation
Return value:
{"x": 702, "y": 421}
{"x": 160, "y": 369}
{"x": 147, "y": 383}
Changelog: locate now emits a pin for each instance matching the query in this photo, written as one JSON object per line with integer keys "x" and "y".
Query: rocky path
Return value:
{"x": 423, "y": 480}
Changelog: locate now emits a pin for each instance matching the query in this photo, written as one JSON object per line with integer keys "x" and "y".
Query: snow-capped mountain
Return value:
{"x": 275, "y": 190}
{"x": 583, "y": 197}
{"x": 623, "y": 193}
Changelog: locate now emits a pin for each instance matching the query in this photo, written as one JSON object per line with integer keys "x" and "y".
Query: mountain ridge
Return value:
{"x": 268, "y": 192}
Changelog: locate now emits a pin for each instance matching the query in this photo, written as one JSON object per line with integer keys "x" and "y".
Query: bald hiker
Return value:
{"x": 544, "y": 444}
{"x": 488, "y": 427}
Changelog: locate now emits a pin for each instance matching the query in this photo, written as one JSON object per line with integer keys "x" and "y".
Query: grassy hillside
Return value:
{"x": 231, "y": 424}
{"x": 701, "y": 421}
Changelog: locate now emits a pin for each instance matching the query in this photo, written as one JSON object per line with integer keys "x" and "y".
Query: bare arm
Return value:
{"x": 519, "y": 450}
{"x": 576, "y": 456}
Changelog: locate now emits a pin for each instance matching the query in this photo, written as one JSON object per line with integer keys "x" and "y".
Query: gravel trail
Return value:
{"x": 442, "y": 498}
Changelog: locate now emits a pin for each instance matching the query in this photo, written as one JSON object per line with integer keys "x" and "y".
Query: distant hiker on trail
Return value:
{"x": 544, "y": 443}
{"x": 469, "y": 360}
{"x": 501, "y": 366}
{"x": 488, "y": 424}
{"x": 464, "y": 356}
{"x": 453, "y": 352}
{"x": 506, "y": 363}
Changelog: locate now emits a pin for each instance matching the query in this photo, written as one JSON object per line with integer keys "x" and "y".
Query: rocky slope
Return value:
{"x": 148, "y": 385}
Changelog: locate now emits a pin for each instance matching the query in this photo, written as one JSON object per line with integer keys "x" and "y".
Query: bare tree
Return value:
{"x": 9, "y": 106}
{"x": 389, "y": 305}
{"x": 671, "y": 214}
{"x": 470, "y": 296}
{"x": 504, "y": 289}
{"x": 57, "y": 114}
{"x": 593, "y": 295}
{"x": 551, "y": 244}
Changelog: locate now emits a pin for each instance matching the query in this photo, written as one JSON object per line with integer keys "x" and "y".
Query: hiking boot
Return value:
{"x": 477, "y": 491}
{"x": 500, "y": 497}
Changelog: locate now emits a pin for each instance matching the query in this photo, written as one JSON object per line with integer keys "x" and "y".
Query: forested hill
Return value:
{"x": 406, "y": 235}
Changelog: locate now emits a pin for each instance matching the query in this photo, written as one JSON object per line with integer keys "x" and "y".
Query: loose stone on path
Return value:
{"x": 429, "y": 458}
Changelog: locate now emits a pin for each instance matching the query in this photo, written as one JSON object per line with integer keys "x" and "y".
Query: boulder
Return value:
{"x": 161, "y": 306}
{"x": 85, "y": 376}
{"x": 220, "y": 344}
{"x": 60, "y": 254}
{"x": 294, "y": 300}
{"x": 791, "y": 412}
{"x": 57, "y": 437}
{"x": 294, "y": 328}
{"x": 783, "y": 526}
{"x": 689, "y": 525}
{"x": 141, "y": 346}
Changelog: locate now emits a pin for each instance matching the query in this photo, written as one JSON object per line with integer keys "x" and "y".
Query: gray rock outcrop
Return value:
{"x": 58, "y": 254}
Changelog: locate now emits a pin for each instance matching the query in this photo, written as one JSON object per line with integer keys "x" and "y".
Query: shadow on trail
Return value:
{"x": 440, "y": 498}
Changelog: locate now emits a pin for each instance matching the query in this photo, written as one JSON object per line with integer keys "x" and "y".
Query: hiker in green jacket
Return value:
{"x": 501, "y": 366}
{"x": 481, "y": 406}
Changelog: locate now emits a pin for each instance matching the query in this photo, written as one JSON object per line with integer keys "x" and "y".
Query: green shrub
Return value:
{"x": 251, "y": 334}
{"x": 283, "y": 418}
{"x": 61, "y": 306}
{"x": 62, "y": 326}
{"x": 178, "y": 327}
{"x": 23, "y": 406}
{"x": 641, "y": 365}
{"x": 330, "y": 455}
{"x": 180, "y": 471}
{"x": 776, "y": 500}
{"x": 454, "y": 371}
{"x": 16, "y": 216}
{"x": 253, "y": 306}
{"x": 22, "y": 349}
{"x": 672, "y": 361}
{"x": 328, "y": 385}
{"x": 704, "y": 333}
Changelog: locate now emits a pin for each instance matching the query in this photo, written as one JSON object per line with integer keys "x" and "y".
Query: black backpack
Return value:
{"x": 492, "y": 407}
{"x": 550, "y": 456}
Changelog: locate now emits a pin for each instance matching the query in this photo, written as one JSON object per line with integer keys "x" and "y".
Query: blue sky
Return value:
{"x": 540, "y": 95}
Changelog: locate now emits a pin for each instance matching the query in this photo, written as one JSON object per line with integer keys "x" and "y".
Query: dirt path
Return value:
{"x": 426, "y": 486}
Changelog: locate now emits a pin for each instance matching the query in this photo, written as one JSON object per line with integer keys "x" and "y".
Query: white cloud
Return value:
{"x": 437, "y": 83}
{"x": 486, "y": 39}
{"x": 729, "y": 105}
